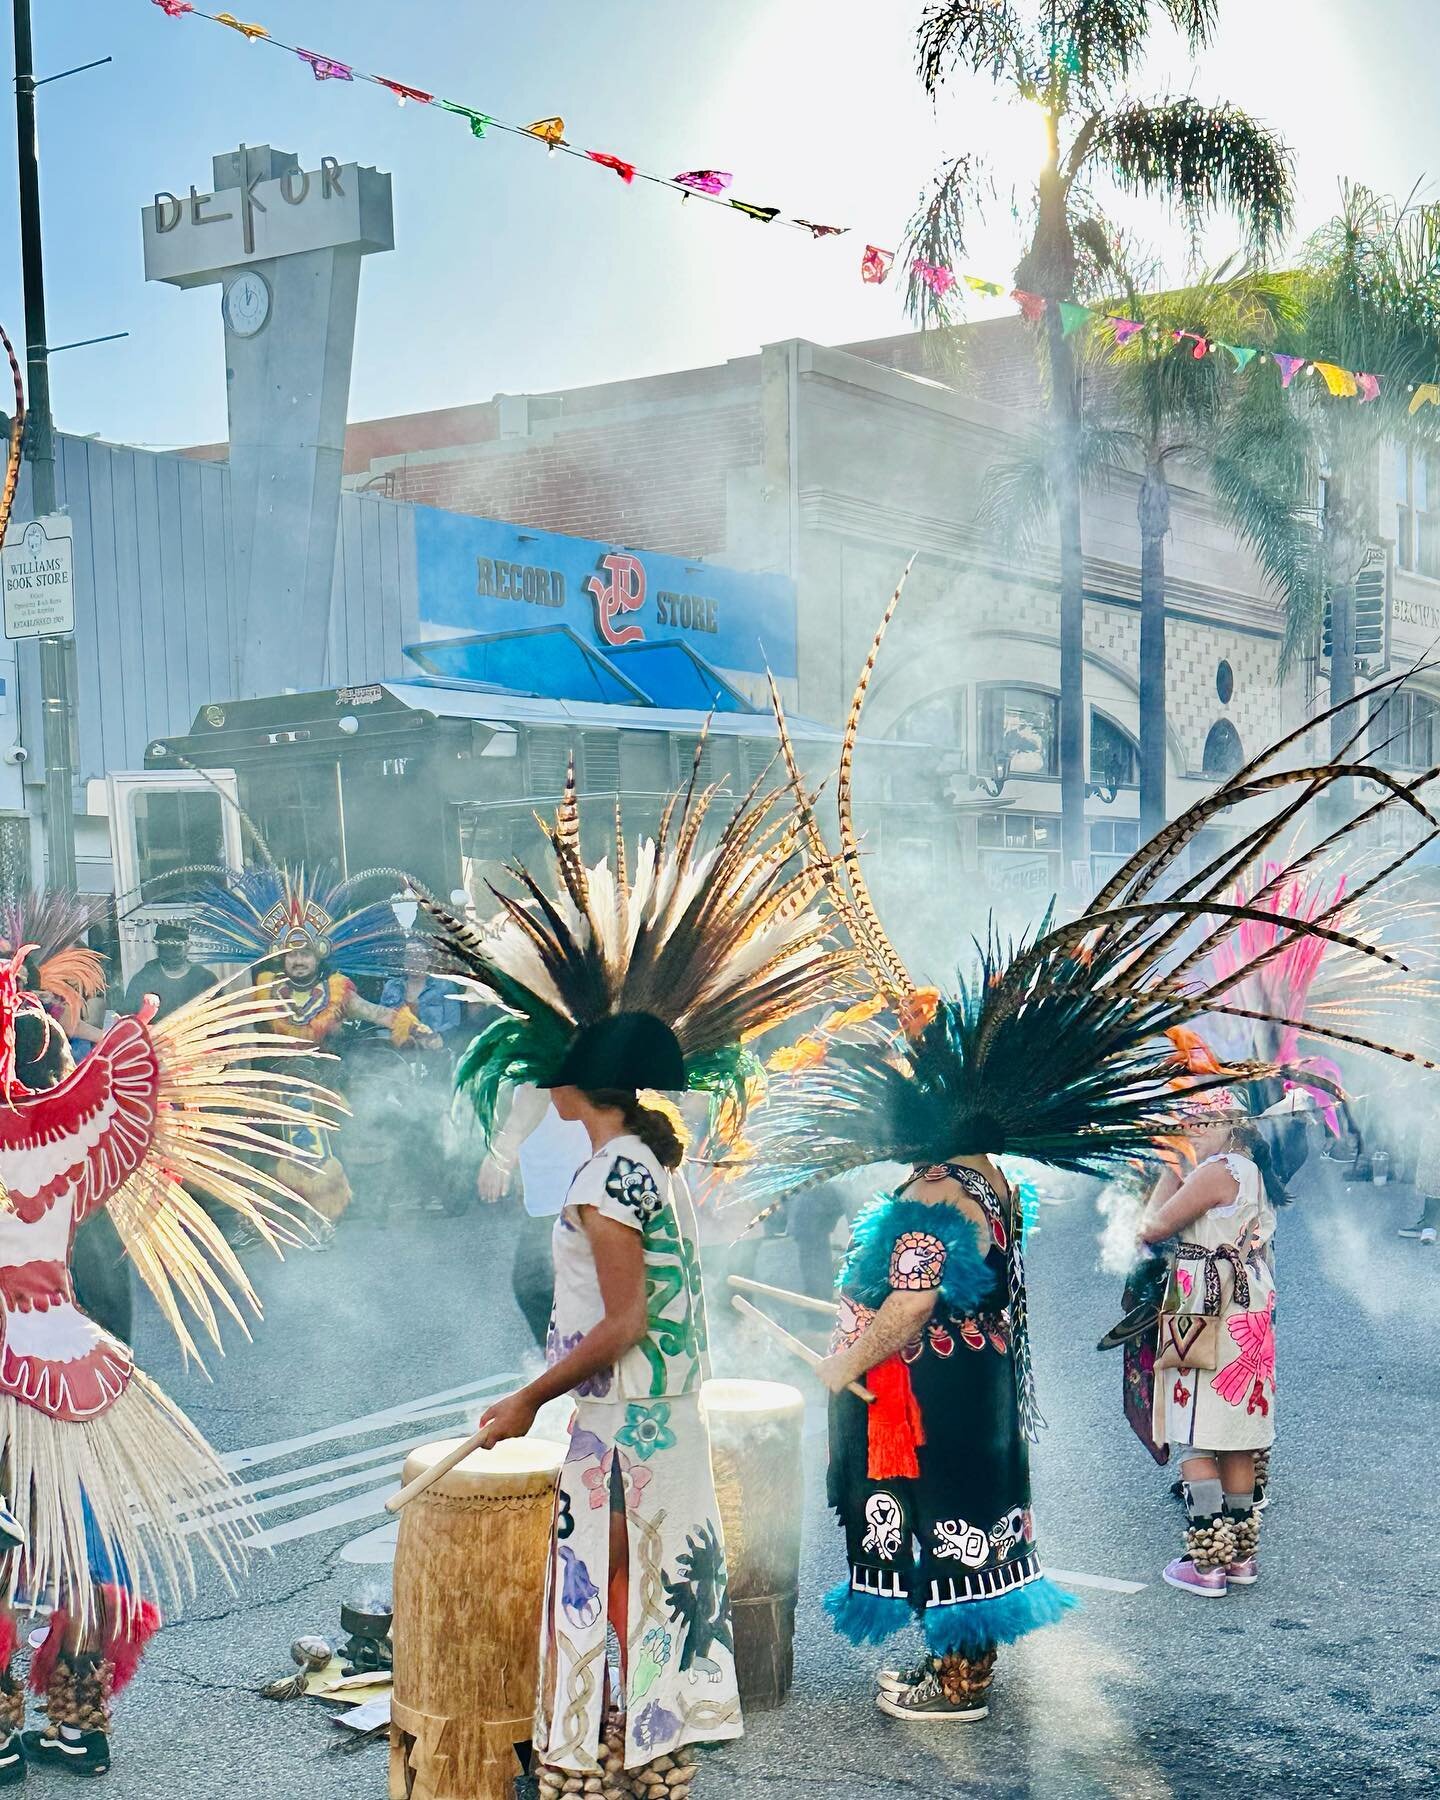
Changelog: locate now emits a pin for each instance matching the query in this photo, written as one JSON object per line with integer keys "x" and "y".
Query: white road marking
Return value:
{"x": 376, "y": 1421}
{"x": 376, "y": 1546}
{"x": 288, "y": 1488}
{"x": 308, "y": 1524}
{"x": 1073, "y": 1578}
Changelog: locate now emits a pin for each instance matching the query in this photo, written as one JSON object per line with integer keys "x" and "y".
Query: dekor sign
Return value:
{"x": 201, "y": 209}
{"x": 264, "y": 205}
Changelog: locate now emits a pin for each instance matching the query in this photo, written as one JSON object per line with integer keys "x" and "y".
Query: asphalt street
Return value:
{"x": 1320, "y": 1681}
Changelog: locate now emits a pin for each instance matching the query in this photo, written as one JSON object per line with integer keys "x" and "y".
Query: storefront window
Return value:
{"x": 1114, "y": 754}
{"x": 1018, "y": 727}
{"x": 1114, "y": 837}
{"x": 939, "y": 724}
{"x": 1417, "y": 511}
{"x": 1017, "y": 831}
{"x": 1406, "y": 732}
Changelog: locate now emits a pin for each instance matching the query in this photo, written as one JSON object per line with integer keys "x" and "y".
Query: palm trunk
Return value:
{"x": 1154, "y": 511}
{"x": 1053, "y": 256}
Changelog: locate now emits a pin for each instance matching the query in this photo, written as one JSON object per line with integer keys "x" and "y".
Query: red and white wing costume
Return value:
{"x": 154, "y": 1119}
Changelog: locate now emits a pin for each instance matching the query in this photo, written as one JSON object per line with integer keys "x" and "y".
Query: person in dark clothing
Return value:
{"x": 169, "y": 975}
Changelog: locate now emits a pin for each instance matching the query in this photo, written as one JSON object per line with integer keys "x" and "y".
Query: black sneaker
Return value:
{"x": 1423, "y": 1230}
{"x": 926, "y": 1701}
{"x": 88, "y": 1754}
{"x": 895, "y": 1681}
{"x": 12, "y": 1760}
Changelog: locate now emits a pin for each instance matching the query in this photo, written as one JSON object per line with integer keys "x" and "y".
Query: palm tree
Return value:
{"x": 1150, "y": 404}
{"x": 1072, "y": 58}
{"x": 1366, "y": 300}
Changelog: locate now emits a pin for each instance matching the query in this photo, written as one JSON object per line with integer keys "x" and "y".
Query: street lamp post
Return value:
{"x": 40, "y": 453}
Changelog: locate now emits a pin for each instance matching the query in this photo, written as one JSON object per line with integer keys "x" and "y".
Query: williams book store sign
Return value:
{"x": 479, "y": 575}
{"x": 39, "y": 586}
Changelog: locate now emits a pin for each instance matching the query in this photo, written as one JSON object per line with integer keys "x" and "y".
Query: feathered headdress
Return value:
{"x": 1055, "y": 1048}
{"x": 720, "y": 946}
{"x": 51, "y": 923}
{"x": 268, "y": 911}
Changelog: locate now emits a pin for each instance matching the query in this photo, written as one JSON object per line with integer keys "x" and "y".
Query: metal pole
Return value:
{"x": 40, "y": 453}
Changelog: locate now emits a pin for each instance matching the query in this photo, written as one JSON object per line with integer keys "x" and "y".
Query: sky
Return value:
{"x": 515, "y": 272}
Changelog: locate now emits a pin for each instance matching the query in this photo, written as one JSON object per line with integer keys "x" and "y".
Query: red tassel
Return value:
{"x": 895, "y": 1428}
{"x": 135, "y": 1623}
{"x": 9, "y": 1637}
{"x": 42, "y": 1664}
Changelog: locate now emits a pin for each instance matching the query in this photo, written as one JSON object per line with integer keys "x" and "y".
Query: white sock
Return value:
{"x": 71, "y": 1733}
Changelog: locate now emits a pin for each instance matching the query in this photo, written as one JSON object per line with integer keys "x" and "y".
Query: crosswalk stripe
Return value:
{"x": 345, "y": 1512}
{"x": 376, "y": 1421}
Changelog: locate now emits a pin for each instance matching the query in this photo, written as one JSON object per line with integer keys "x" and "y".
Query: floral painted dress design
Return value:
{"x": 638, "y": 1443}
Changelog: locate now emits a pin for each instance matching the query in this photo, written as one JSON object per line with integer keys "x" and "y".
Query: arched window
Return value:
{"x": 1018, "y": 727}
{"x": 1223, "y": 751}
{"x": 1114, "y": 754}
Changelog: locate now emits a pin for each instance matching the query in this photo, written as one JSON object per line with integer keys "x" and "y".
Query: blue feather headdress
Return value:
{"x": 268, "y": 911}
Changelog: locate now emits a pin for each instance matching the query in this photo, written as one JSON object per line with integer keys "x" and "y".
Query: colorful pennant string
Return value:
{"x": 711, "y": 185}
{"x": 626, "y": 171}
{"x": 1073, "y": 316}
{"x": 478, "y": 120}
{"x": 325, "y": 68}
{"x": 1289, "y": 366}
{"x": 402, "y": 91}
{"x": 937, "y": 279}
{"x": 1339, "y": 381}
{"x": 705, "y": 181}
{"x": 252, "y": 32}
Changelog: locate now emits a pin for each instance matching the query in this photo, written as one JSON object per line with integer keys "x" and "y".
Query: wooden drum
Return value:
{"x": 755, "y": 1434}
{"x": 469, "y": 1584}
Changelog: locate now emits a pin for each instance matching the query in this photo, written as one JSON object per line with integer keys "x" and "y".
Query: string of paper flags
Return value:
{"x": 876, "y": 265}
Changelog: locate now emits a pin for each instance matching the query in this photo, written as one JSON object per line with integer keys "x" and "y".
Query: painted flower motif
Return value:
{"x": 941, "y": 1342}
{"x": 1185, "y": 1281}
{"x": 972, "y": 1336}
{"x": 646, "y": 1430}
{"x": 633, "y": 1185}
{"x": 633, "y": 1481}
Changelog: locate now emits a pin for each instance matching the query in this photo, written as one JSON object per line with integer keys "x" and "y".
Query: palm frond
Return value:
{"x": 1206, "y": 158}
{"x": 1195, "y": 20}
{"x": 979, "y": 35}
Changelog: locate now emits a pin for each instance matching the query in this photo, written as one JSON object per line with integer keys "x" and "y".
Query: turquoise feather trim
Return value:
{"x": 509, "y": 1050}
{"x": 866, "y": 1618}
{"x": 971, "y": 1627}
{"x": 967, "y": 1281}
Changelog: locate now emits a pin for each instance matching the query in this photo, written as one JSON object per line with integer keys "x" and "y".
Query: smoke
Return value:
{"x": 1121, "y": 1205}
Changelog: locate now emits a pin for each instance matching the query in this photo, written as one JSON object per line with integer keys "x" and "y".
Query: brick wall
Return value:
{"x": 656, "y": 480}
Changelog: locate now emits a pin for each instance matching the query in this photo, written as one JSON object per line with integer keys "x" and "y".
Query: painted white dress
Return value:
{"x": 637, "y": 1428}
{"x": 1224, "y": 1267}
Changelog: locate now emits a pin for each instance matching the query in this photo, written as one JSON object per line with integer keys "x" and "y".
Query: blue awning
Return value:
{"x": 548, "y": 663}
{"x": 674, "y": 675}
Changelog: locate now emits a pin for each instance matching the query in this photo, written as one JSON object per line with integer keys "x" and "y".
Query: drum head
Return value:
{"x": 747, "y": 1401}
{"x": 517, "y": 1467}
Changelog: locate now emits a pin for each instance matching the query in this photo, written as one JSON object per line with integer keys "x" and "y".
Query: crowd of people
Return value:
{"x": 661, "y": 1060}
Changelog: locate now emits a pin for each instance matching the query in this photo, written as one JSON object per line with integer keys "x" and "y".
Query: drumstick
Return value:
{"x": 808, "y": 1301}
{"x": 792, "y": 1344}
{"x": 413, "y": 1489}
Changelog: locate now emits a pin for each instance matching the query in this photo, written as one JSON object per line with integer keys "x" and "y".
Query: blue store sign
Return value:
{"x": 479, "y": 575}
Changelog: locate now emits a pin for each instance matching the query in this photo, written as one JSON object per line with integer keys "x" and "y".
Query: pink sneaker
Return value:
{"x": 1244, "y": 1573}
{"x": 1206, "y": 1584}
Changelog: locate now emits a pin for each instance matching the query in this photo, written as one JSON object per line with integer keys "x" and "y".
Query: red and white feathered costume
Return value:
{"x": 152, "y": 1117}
